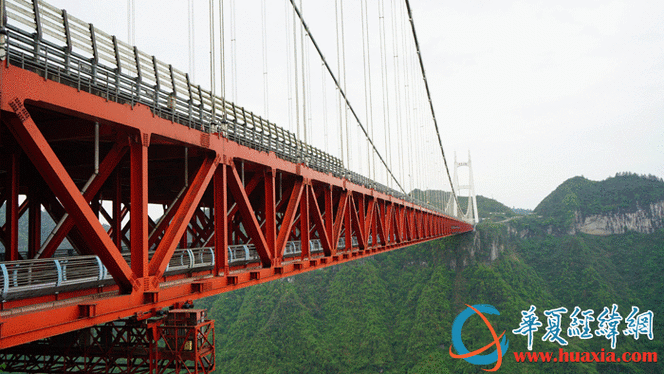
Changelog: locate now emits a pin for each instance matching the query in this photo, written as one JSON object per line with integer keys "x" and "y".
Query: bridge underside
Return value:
{"x": 155, "y": 191}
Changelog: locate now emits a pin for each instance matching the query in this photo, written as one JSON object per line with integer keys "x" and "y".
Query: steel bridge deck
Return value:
{"x": 88, "y": 144}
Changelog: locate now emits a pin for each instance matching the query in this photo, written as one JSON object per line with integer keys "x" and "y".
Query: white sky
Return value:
{"x": 537, "y": 91}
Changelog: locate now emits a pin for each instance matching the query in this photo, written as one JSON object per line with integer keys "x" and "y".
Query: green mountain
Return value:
{"x": 622, "y": 193}
{"x": 488, "y": 208}
{"x": 393, "y": 313}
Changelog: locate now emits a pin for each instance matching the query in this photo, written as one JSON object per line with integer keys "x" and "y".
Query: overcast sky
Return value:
{"x": 537, "y": 91}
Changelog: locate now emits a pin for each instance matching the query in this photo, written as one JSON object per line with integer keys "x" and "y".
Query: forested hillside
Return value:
{"x": 393, "y": 313}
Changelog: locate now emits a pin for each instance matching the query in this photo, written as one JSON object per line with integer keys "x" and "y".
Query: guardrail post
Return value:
{"x": 68, "y": 49}
{"x": 157, "y": 85}
{"x": 201, "y": 107}
{"x": 38, "y": 26}
{"x": 186, "y": 75}
{"x": 139, "y": 76}
{"x": 172, "y": 98}
{"x": 95, "y": 54}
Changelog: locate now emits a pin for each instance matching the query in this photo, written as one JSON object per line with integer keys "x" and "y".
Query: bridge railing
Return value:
{"x": 63, "y": 48}
{"x": 35, "y": 277}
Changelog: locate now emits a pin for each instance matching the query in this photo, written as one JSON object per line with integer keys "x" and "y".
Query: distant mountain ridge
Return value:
{"x": 626, "y": 192}
{"x": 626, "y": 202}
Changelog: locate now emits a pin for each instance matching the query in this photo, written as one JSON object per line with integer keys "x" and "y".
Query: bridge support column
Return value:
{"x": 221, "y": 220}
{"x": 139, "y": 205}
{"x": 270, "y": 218}
{"x": 304, "y": 221}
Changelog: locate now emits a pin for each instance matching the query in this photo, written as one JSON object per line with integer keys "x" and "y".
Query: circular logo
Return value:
{"x": 474, "y": 357}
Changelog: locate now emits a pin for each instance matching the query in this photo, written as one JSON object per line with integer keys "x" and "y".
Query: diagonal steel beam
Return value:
{"x": 320, "y": 226}
{"x": 394, "y": 223}
{"x": 369, "y": 221}
{"x": 54, "y": 173}
{"x": 249, "y": 220}
{"x": 380, "y": 221}
{"x": 374, "y": 227}
{"x": 164, "y": 222}
{"x": 253, "y": 182}
{"x": 410, "y": 215}
{"x": 56, "y": 212}
{"x": 329, "y": 220}
{"x": 182, "y": 217}
{"x": 270, "y": 221}
{"x": 289, "y": 218}
{"x": 412, "y": 221}
{"x": 338, "y": 221}
{"x": 355, "y": 222}
{"x": 105, "y": 169}
{"x": 387, "y": 222}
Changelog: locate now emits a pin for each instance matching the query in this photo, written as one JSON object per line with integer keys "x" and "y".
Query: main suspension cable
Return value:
{"x": 329, "y": 70}
{"x": 433, "y": 113}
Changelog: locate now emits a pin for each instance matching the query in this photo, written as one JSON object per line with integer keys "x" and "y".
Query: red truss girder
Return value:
{"x": 151, "y": 346}
{"x": 266, "y": 201}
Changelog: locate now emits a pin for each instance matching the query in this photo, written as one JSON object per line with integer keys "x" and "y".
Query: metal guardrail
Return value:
{"x": 27, "y": 278}
{"x": 61, "y": 47}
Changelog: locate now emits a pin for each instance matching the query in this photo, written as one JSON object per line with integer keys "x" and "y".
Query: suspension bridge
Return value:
{"x": 160, "y": 191}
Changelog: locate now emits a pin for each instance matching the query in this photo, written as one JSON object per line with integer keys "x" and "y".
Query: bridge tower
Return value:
{"x": 471, "y": 212}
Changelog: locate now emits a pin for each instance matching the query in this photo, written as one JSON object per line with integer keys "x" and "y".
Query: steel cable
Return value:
{"x": 343, "y": 94}
{"x": 433, "y": 113}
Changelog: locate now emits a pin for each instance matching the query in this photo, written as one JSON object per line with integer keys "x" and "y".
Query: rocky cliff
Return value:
{"x": 644, "y": 220}
{"x": 482, "y": 246}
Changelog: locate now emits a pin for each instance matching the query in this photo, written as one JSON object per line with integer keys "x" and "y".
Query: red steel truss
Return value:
{"x": 47, "y": 156}
{"x": 177, "y": 343}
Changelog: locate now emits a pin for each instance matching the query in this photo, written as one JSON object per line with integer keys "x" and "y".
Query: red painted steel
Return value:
{"x": 181, "y": 342}
{"x": 46, "y": 140}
